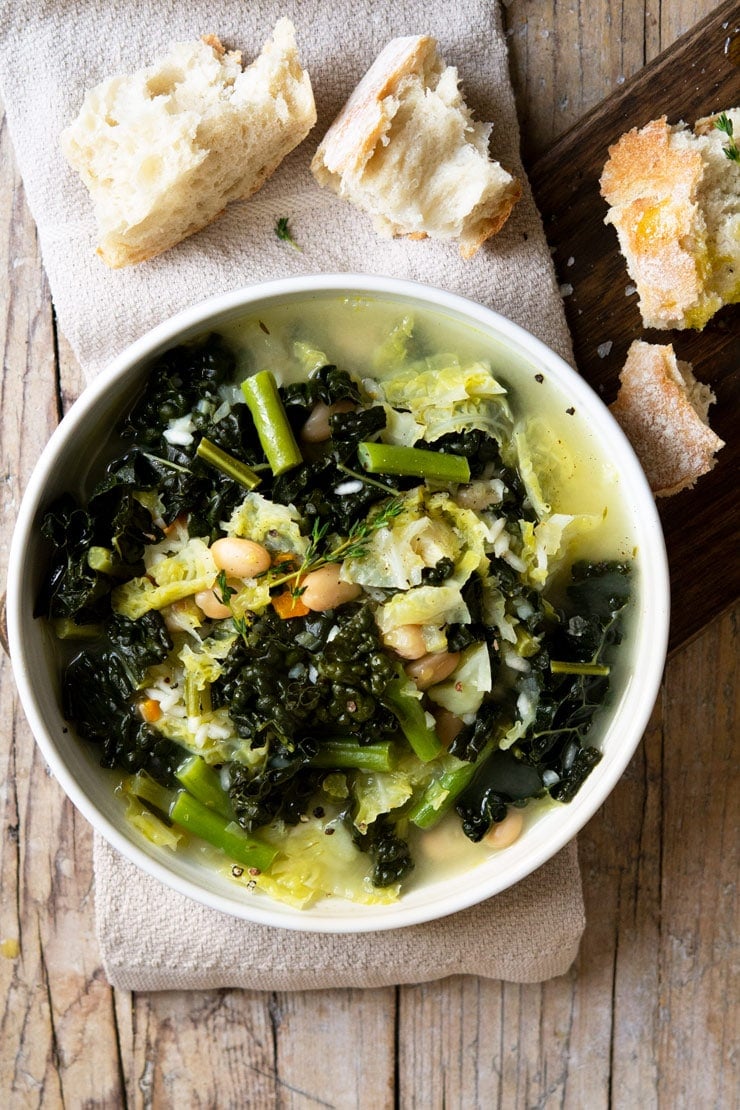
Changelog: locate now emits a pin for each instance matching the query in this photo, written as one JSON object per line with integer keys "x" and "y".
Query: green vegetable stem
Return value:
{"x": 444, "y": 790}
{"x": 204, "y": 784}
{"x": 559, "y": 666}
{"x": 413, "y": 462}
{"x": 411, "y": 717}
{"x": 222, "y": 833}
{"x": 351, "y": 755}
{"x": 274, "y": 431}
{"x": 227, "y": 464}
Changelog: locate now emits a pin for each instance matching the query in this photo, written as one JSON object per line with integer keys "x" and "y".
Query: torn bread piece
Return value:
{"x": 662, "y": 409}
{"x": 405, "y": 149}
{"x": 164, "y": 150}
{"x": 674, "y": 199}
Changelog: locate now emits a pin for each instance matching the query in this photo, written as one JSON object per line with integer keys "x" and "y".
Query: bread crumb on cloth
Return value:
{"x": 662, "y": 409}
{"x": 674, "y": 200}
{"x": 164, "y": 150}
{"x": 406, "y": 150}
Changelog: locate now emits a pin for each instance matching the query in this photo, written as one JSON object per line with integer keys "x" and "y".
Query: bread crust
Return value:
{"x": 662, "y": 408}
{"x": 651, "y": 186}
{"x": 164, "y": 151}
{"x": 674, "y": 199}
{"x": 364, "y": 120}
{"x": 363, "y": 126}
{"x": 495, "y": 222}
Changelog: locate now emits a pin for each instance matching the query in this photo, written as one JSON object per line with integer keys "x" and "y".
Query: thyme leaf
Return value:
{"x": 224, "y": 595}
{"x": 354, "y": 546}
{"x": 282, "y": 230}
{"x": 724, "y": 124}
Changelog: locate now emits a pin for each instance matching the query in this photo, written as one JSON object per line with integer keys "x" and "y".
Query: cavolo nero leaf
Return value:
{"x": 98, "y": 691}
{"x": 179, "y": 380}
{"x": 553, "y": 756}
{"x": 72, "y": 589}
{"x": 389, "y": 852}
{"x": 289, "y": 688}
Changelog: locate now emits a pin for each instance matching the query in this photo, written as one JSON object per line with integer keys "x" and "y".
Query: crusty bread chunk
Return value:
{"x": 663, "y": 411}
{"x": 162, "y": 151}
{"x": 674, "y": 197}
{"x": 405, "y": 149}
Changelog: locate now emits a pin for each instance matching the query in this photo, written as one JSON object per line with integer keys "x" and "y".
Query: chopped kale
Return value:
{"x": 436, "y": 575}
{"x": 283, "y": 789}
{"x": 328, "y": 384}
{"x": 389, "y": 852}
{"x": 98, "y": 691}
{"x": 182, "y": 381}
{"x": 553, "y": 756}
{"x": 502, "y": 779}
{"x": 140, "y": 643}
{"x": 350, "y": 428}
{"x": 72, "y": 588}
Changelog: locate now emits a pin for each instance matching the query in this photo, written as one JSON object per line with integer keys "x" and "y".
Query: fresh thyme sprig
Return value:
{"x": 224, "y": 595}
{"x": 724, "y": 123}
{"x": 283, "y": 232}
{"x": 354, "y": 546}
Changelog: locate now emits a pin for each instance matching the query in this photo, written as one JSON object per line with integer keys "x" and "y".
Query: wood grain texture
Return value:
{"x": 699, "y": 75}
{"x": 57, "y": 1031}
{"x": 647, "y": 1016}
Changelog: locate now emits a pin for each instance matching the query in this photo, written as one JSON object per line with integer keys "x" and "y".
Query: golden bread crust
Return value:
{"x": 362, "y": 122}
{"x": 495, "y": 222}
{"x": 651, "y": 183}
{"x": 406, "y": 132}
{"x": 662, "y": 409}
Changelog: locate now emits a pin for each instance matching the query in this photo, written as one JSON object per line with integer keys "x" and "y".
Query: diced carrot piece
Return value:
{"x": 150, "y": 710}
{"x": 283, "y": 557}
{"x": 287, "y": 606}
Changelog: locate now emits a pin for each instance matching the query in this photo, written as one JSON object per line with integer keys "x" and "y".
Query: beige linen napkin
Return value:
{"x": 50, "y": 53}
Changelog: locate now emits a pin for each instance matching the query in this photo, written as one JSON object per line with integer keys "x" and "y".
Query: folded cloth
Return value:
{"x": 50, "y": 54}
{"x": 525, "y": 934}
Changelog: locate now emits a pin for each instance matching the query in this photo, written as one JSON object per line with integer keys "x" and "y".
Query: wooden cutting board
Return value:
{"x": 698, "y": 75}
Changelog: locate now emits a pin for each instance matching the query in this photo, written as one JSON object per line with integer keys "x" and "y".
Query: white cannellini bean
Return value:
{"x": 210, "y": 605}
{"x": 323, "y": 589}
{"x": 240, "y": 558}
{"x": 317, "y": 428}
{"x": 448, "y": 726}
{"x": 505, "y": 832}
{"x": 432, "y": 668}
{"x": 407, "y": 641}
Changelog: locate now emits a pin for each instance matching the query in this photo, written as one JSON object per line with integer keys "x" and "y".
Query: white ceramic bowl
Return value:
{"x": 63, "y": 464}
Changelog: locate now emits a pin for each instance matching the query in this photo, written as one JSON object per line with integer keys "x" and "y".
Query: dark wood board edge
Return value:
{"x": 698, "y": 75}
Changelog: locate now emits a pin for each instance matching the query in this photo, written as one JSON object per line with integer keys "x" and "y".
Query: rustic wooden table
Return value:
{"x": 646, "y": 1017}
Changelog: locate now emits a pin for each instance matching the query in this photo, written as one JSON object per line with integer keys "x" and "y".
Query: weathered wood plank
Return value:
{"x": 348, "y": 1038}
{"x": 58, "y": 1037}
{"x": 201, "y": 1050}
{"x": 293, "y": 1051}
{"x": 699, "y": 967}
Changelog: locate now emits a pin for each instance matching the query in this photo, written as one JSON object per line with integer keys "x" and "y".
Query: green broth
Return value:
{"x": 350, "y": 330}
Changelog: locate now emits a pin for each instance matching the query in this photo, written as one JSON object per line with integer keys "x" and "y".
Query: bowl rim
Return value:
{"x": 197, "y": 316}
